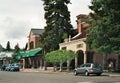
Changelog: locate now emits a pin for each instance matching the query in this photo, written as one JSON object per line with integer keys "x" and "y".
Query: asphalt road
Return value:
{"x": 42, "y": 77}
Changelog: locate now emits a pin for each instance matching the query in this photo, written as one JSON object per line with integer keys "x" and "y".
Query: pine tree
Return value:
{"x": 16, "y": 52}
{"x": 8, "y": 46}
{"x": 104, "y": 34}
{"x": 57, "y": 23}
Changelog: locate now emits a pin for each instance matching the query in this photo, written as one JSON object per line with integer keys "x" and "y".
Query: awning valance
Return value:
{"x": 29, "y": 53}
{"x": 34, "y": 52}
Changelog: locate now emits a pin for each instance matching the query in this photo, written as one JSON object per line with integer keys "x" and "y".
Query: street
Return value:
{"x": 42, "y": 77}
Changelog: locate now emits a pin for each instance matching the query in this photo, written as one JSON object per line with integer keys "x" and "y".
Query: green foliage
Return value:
{"x": 59, "y": 56}
{"x": 8, "y": 46}
{"x": 104, "y": 36}
{"x": 57, "y": 23}
{"x": 16, "y": 52}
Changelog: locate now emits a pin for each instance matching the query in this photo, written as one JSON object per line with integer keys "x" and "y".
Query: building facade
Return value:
{"x": 34, "y": 38}
{"x": 78, "y": 45}
{"x": 33, "y": 57}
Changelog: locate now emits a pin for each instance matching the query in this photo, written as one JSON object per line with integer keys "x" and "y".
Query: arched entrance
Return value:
{"x": 80, "y": 57}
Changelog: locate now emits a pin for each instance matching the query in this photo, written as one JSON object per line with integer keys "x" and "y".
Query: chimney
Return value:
{"x": 79, "y": 26}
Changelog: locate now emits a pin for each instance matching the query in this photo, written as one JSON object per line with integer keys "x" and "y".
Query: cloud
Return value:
{"x": 14, "y": 28}
{"x": 17, "y": 17}
{"x": 78, "y": 7}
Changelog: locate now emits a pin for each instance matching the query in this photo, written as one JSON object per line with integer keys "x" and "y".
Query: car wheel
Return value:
{"x": 75, "y": 73}
{"x": 86, "y": 73}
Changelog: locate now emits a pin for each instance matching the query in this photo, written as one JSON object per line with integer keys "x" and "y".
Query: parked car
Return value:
{"x": 14, "y": 67}
{"x": 8, "y": 67}
{"x": 89, "y": 68}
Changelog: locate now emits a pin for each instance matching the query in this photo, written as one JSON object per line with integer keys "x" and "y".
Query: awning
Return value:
{"x": 34, "y": 52}
{"x": 21, "y": 55}
{"x": 29, "y": 53}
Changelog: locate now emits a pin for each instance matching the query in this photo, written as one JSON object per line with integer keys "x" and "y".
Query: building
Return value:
{"x": 34, "y": 38}
{"x": 5, "y": 57}
{"x": 32, "y": 58}
{"x": 78, "y": 45}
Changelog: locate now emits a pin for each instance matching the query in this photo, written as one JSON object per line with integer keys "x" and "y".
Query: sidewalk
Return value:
{"x": 113, "y": 74}
{"x": 45, "y": 71}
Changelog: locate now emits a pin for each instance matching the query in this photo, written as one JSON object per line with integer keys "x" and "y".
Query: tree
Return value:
{"x": 16, "y": 52}
{"x": 57, "y": 23}
{"x": 104, "y": 36}
{"x": 26, "y": 46}
{"x": 8, "y": 46}
{"x": 60, "y": 56}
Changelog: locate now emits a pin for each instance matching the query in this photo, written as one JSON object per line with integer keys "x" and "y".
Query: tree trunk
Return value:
{"x": 60, "y": 66}
{"x": 44, "y": 68}
{"x": 54, "y": 67}
{"x": 68, "y": 65}
{"x": 104, "y": 61}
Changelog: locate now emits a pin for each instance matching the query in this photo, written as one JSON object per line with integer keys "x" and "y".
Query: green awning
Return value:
{"x": 34, "y": 52}
{"x": 29, "y": 53}
{"x": 21, "y": 55}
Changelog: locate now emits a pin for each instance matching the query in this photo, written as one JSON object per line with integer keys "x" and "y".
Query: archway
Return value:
{"x": 80, "y": 57}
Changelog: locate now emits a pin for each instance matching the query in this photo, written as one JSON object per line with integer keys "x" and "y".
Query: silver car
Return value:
{"x": 89, "y": 68}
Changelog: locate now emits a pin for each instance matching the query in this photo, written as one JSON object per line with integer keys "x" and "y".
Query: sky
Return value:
{"x": 17, "y": 17}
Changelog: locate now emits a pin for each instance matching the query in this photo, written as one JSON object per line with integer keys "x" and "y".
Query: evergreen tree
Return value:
{"x": 26, "y": 46}
{"x": 57, "y": 23}
{"x": 8, "y": 46}
{"x": 17, "y": 49}
{"x": 14, "y": 56}
{"x": 104, "y": 36}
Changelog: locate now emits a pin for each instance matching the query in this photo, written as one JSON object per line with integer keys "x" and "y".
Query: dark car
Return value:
{"x": 89, "y": 68}
{"x": 14, "y": 67}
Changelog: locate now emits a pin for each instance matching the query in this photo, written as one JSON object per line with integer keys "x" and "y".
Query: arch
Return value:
{"x": 80, "y": 57}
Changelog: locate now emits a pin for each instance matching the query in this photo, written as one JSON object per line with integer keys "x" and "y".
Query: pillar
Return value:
{"x": 76, "y": 62}
{"x": 85, "y": 57}
{"x": 23, "y": 63}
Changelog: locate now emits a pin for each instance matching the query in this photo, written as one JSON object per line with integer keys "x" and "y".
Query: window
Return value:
{"x": 88, "y": 65}
{"x": 63, "y": 48}
{"x": 79, "y": 45}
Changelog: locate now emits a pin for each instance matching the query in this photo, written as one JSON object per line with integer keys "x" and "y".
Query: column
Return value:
{"x": 85, "y": 57}
{"x": 76, "y": 62}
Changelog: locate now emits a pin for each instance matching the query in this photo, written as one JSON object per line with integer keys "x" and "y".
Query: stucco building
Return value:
{"x": 78, "y": 45}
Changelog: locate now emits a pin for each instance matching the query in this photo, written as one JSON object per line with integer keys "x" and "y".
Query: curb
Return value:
{"x": 114, "y": 75}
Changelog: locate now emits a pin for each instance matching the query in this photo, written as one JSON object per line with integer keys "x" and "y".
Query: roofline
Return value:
{"x": 34, "y": 29}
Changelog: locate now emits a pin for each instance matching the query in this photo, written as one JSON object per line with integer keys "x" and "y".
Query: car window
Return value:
{"x": 88, "y": 65}
{"x": 96, "y": 65}
{"x": 82, "y": 65}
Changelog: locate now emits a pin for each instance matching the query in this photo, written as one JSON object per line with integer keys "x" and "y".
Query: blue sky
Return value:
{"x": 17, "y": 17}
